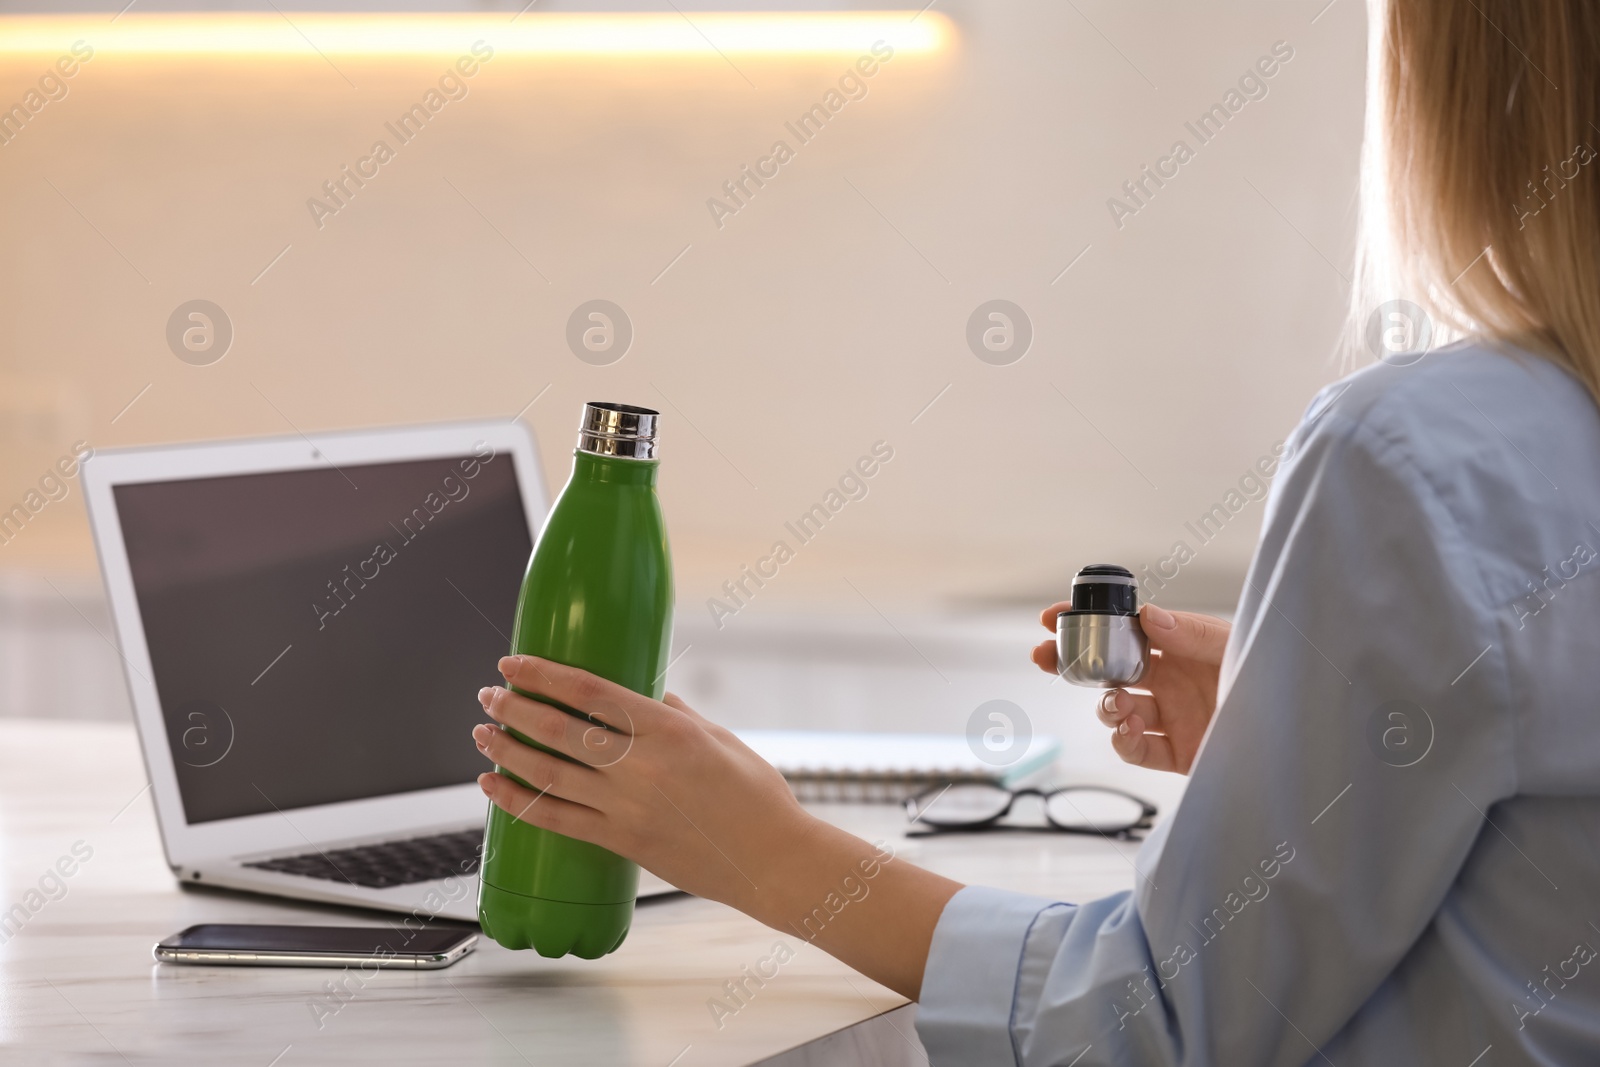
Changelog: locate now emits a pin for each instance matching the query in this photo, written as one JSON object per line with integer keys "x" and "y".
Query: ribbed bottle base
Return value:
{"x": 552, "y": 928}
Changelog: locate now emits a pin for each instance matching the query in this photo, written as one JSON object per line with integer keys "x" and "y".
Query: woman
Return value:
{"x": 1389, "y": 849}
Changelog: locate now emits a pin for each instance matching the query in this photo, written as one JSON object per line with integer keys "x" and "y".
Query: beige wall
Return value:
{"x": 821, "y": 318}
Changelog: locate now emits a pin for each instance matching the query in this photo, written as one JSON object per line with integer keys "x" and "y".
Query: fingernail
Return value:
{"x": 509, "y": 664}
{"x": 483, "y": 783}
{"x": 1108, "y": 702}
{"x": 1122, "y": 728}
{"x": 485, "y": 695}
{"x": 481, "y": 735}
{"x": 1160, "y": 618}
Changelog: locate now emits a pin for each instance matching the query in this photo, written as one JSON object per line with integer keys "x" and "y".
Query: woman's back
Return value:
{"x": 1390, "y": 846}
{"x": 1511, "y": 450}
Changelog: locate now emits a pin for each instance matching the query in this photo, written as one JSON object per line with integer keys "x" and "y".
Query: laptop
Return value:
{"x": 304, "y": 624}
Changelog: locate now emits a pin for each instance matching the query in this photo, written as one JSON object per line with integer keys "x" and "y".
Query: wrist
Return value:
{"x": 857, "y": 901}
{"x": 806, "y": 859}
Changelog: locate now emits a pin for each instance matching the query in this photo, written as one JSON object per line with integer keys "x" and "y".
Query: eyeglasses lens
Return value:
{"x": 963, "y": 804}
{"x": 1094, "y": 810}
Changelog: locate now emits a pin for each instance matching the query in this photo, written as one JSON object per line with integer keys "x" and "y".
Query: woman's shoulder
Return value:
{"x": 1444, "y": 400}
{"x": 1506, "y": 443}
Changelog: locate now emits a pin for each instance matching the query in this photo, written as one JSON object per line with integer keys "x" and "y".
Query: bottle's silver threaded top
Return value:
{"x": 620, "y": 430}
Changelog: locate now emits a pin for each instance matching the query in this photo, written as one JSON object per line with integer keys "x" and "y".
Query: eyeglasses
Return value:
{"x": 1073, "y": 809}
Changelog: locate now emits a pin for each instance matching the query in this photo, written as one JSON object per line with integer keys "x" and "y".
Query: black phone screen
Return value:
{"x": 353, "y": 940}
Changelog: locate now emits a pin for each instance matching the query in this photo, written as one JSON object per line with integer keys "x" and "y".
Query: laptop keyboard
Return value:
{"x": 388, "y": 863}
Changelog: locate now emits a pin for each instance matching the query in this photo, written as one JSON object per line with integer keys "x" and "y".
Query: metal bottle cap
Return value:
{"x": 620, "y": 430}
{"x": 1099, "y": 642}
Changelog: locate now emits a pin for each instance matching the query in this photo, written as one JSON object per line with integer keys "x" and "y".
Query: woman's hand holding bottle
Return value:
{"x": 658, "y": 784}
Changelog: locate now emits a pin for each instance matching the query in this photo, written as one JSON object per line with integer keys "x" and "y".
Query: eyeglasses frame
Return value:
{"x": 1148, "y": 810}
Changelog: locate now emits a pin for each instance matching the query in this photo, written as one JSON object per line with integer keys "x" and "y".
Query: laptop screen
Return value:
{"x": 320, "y": 635}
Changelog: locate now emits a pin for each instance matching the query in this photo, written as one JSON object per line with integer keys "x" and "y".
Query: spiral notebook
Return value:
{"x": 887, "y": 768}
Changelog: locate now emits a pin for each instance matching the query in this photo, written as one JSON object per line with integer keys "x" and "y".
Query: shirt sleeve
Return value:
{"x": 1363, "y": 729}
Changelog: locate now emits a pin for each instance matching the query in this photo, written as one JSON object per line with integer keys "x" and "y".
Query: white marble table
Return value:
{"x": 78, "y": 984}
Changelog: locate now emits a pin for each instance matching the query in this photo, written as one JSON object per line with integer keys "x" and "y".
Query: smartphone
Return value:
{"x": 318, "y": 946}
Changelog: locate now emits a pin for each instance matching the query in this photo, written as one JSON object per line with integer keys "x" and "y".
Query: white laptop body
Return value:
{"x": 304, "y": 623}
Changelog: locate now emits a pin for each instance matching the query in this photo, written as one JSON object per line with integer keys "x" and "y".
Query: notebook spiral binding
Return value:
{"x": 870, "y": 789}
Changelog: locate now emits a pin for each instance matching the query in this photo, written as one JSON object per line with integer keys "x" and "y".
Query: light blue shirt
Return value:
{"x": 1389, "y": 849}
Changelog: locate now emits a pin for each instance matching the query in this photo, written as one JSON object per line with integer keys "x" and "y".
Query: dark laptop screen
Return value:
{"x": 320, "y": 635}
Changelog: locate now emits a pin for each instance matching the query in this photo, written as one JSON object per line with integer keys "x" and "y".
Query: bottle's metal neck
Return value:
{"x": 619, "y": 430}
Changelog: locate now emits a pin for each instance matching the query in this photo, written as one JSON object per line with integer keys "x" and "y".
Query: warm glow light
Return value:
{"x": 387, "y": 34}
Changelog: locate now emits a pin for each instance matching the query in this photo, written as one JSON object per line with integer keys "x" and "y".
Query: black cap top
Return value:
{"x": 1105, "y": 589}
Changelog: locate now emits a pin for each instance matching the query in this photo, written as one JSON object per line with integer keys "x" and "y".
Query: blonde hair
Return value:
{"x": 1480, "y": 200}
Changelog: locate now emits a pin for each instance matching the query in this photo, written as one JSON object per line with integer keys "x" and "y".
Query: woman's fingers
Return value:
{"x": 567, "y": 734}
{"x": 1185, "y": 634}
{"x": 546, "y": 773}
{"x": 1132, "y": 716}
{"x": 615, "y": 705}
{"x": 543, "y": 809}
{"x": 1118, "y": 704}
{"x": 1044, "y": 653}
{"x": 1143, "y": 749}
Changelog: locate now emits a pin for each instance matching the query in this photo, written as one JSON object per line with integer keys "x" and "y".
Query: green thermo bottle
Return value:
{"x": 597, "y": 595}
